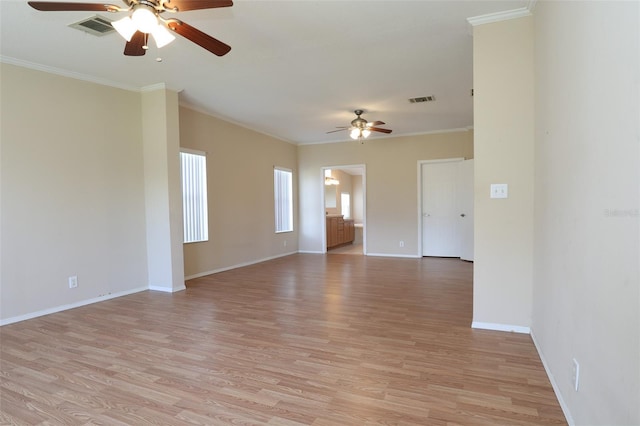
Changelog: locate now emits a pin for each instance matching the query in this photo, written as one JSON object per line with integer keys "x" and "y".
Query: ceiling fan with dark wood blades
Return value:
{"x": 145, "y": 18}
{"x": 360, "y": 128}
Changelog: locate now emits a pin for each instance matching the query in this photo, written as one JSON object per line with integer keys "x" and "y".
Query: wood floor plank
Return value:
{"x": 301, "y": 340}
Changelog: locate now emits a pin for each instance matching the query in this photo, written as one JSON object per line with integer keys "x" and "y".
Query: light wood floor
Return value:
{"x": 301, "y": 340}
{"x": 347, "y": 249}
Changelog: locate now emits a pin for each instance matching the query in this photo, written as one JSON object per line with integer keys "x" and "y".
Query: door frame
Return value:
{"x": 420, "y": 164}
{"x": 364, "y": 203}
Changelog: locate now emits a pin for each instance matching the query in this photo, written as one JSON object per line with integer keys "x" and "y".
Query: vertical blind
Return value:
{"x": 283, "y": 192}
{"x": 193, "y": 171}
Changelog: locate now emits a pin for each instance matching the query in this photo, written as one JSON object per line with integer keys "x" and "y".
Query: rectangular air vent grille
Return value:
{"x": 96, "y": 25}
{"x": 422, "y": 99}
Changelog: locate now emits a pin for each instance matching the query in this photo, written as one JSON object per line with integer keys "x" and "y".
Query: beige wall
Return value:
{"x": 391, "y": 186}
{"x": 240, "y": 183}
{"x": 72, "y": 190}
{"x": 586, "y": 298}
{"x": 163, "y": 190}
{"x": 503, "y": 125}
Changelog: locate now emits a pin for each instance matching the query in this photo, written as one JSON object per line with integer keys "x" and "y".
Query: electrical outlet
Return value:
{"x": 575, "y": 374}
{"x": 401, "y": 243}
{"x": 73, "y": 281}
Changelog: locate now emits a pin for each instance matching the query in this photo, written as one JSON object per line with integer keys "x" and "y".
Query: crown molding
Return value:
{"x": 397, "y": 135}
{"x": 200, "y": 110}
{"x": 153, "y": 87}
{"x": 66, "y": 73}
{"x": 502, "y": 16}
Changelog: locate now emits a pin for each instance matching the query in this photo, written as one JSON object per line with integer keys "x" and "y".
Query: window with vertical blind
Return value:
{"x": 283, "y": 197}
{"x": 193, "y": 172}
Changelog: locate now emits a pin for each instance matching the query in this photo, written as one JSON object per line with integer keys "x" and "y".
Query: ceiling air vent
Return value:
{"x": 422, "y": 99}
{"x": 96, "y": 25}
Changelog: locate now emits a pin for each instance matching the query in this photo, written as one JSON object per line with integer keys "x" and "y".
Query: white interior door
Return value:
{"x": 465, "y": 208}
{"x": 447, "y": 209}
{"x": 440, "y": 217}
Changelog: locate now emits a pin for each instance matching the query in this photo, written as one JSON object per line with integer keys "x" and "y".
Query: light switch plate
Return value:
{"x": 499, "y": 190}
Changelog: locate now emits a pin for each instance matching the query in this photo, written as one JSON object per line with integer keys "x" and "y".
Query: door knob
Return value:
{"x": 462, "y": 215}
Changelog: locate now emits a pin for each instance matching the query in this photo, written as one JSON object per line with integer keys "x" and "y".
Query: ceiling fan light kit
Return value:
{"x": 145, "y": 19}
{"x": 128, "y": 26}
{"x": 357, "y": 133}
{"x": 162, "y": 36}
{"x": 360, "y": 128}
{"x": 125, "y": 27}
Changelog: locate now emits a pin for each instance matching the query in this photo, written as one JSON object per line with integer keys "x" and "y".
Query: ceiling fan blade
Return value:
{"x": 339, "y": 130}
{"x": 378, "y": 129}
{"x": 198, "y": 37}
{"x": 375, "y": 123}
{"x": 134, "y": 47}
{"x": 184, "y": 5}
{"x": 67, "y": 6}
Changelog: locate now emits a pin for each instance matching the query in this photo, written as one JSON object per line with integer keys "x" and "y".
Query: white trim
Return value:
{"x": 167, "y": 289}
{"x": 193, "y": 151}
{"x": 364, "y": 203}
{"x": 395, "y": 136}
{"x": 283, "y": 169}
{"x": 84, "y": 77}
{"x": 441, "y": 160}
{"x": 405, "y": 256}
{"x": 420, "y": 164}
{"x": 432, "y": 132}
{"x": 505, "y": 15}
{"x": 554, "y": 385}
{"x": 61, "y": 308}
{"x": 501, "y": 327}
{"x": 153, "y": 87}
{"x": 283, "y": 223}
{"x": 185, "y": 104}
{"x": 310, "y": 252}
{"x": 238, "y": 265}
{"x": 67, "y": 73}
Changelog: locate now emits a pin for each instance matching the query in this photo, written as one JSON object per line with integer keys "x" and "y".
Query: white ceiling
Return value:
{"x": 297, "y": 69}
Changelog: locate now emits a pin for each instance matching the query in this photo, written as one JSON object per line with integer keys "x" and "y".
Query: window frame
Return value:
{"x": 278, "y": 207}
{"x": 197, "y": 232}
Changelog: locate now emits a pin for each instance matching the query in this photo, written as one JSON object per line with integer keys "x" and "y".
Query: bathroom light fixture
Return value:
{"x": 329, "y": 180}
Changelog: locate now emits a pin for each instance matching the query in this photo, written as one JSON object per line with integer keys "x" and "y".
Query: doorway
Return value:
{"x": 344, "y": 196}
{"x": 446, "y": 208}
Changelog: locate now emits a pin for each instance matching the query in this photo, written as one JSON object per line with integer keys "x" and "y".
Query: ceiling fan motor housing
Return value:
{"x": 359, "y": 122}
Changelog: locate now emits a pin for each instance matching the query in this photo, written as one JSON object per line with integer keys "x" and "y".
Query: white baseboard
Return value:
{"x": 405, "y": 256}
{"x": 501, "y": 327}
{"x": 238, "y": 265}
{"x": 167, "y": 289}
{"x": 61, "y": 308}
{"x": 554, "y": 385}
{"x": 310, "y": 252}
